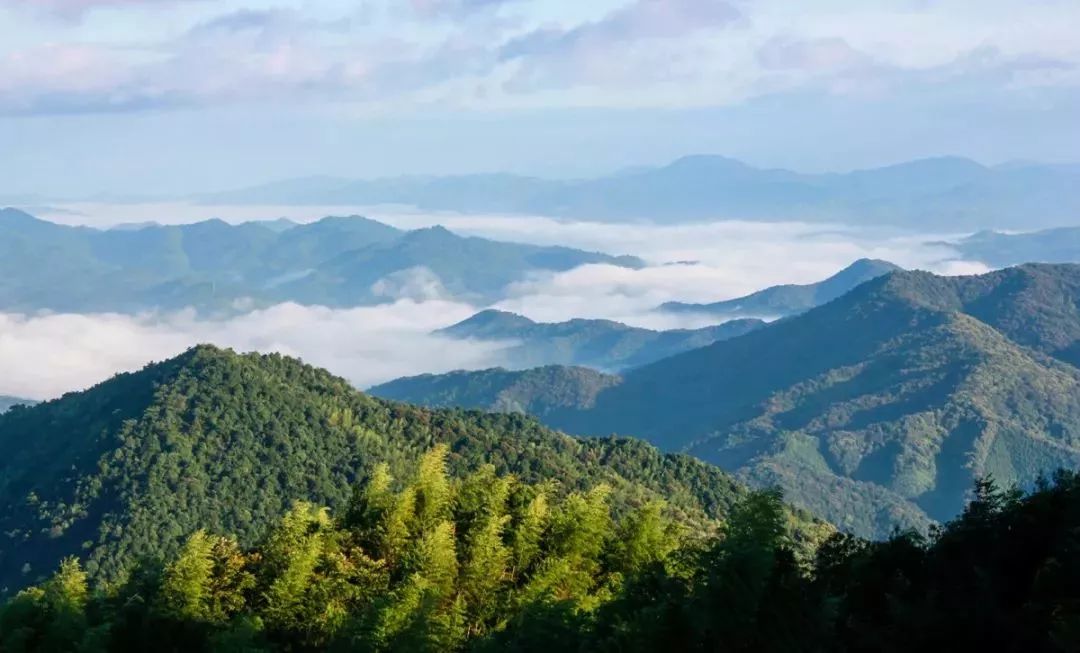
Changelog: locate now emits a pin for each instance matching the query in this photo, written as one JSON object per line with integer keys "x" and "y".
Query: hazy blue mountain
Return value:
{"x": 212, "y": 264}
{"x": 780, "y": 301}
{"x": 472, "y": 269}
{"x": 943, "y": 192}
{"x": 7, "y": 402}
{"x": 600, "y": 344}
{"x": 997, "y": 249}
{"x": 876, "y": 409}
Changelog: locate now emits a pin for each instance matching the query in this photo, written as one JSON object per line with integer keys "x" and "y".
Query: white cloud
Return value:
{"x": 46, "y": 355}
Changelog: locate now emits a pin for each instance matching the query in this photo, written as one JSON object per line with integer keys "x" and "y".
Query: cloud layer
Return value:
{"x": 501, "y": 53}
{"x": 45, "y": 355}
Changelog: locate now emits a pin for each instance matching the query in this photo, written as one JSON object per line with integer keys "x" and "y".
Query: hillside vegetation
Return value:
{"x": 880, "y": 408}
{"x": 127, "y": 470}
{"x": 490, "y": 564}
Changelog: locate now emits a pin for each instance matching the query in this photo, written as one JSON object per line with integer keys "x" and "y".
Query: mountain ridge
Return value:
{"x": 214, "y": 439}
{"x": 784, "y": 300}
{"x": 921, "y": 193}
{"x": 879, "y": 408}
{"x": 211, "y": 265}
{"x": 605, "y": 345}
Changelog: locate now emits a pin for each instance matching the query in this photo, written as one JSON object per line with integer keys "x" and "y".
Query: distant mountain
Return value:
{"x": 600, "y": 344}
{"x": 8, "y": 402}
{"x": 211, "y": 265}
{"x": 1001, "y": 250}
{"x": 879, "y": 408}
{"x": 947, "y": 192}
{"x": 127, "y": 470}
{"x": 781, "y": 301}
{"x": 542, "y": 391}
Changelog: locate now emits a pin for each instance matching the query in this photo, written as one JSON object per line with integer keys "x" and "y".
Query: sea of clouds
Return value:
{"x": 47, "y": 354}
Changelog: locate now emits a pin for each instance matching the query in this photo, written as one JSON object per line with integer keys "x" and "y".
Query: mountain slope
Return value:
{"x": 211, "y": 265}
{"x": 780, "y": 301}
{"x": 924, "y": 193}
{"x": 601, "y": 344}
{"x": 215, "y": 440}
{"x": 879, "y": 408}
{"x": 543, "y": 391}
{"x": 997, "y": 249}
{"x": 471, "y": 269}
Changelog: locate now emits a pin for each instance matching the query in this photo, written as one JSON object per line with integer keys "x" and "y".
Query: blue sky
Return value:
{"x": 173, "y": 96}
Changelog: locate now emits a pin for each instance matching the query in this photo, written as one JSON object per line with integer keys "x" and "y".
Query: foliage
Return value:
{"x": 875, "y": 411}
{"x": 211, "y": 440}
{"x": 1004, "y": 576}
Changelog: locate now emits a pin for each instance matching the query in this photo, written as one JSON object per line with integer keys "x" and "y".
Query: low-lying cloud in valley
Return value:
{"x": 45, "y": 355}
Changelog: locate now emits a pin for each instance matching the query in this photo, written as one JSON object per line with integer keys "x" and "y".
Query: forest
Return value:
{"x": 487, "y": 562}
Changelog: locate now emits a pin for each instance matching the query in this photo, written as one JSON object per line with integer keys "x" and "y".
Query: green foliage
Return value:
{"x": 128, "y": 470}
{"x": 1004, "y": 576}
{"x": 874, "y": 411}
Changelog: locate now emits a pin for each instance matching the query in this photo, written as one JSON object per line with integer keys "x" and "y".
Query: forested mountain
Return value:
{"x": 927, "y": 193}
{"x": 997, "y": 249}
{"x": 212, "y": 264}
{"x": 781, "y": 301}
{"x": 541, "y": 391}
{"x": 881, "y": 407}
{"x": 600, "y": 344}
{"x": 211, "y": 439}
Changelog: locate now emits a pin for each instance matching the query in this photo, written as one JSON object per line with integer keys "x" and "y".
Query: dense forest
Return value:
{"x": 216, "y": 440}
{"x": 488, "y": 563}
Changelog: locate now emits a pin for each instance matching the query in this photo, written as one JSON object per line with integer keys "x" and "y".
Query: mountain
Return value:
{"x": 7, "y": 402}
{"x": 212, "y": 439}
{"x": 781, "y": 301}
{"x": 543, "y": 391}
{"x": 997, "y": 249}
{"x": 470, "y": 269}
{"x": 212, "y": 265}
{"x": 929, "y": 193}
{"x": 600, "y": 344}
{"x": 881, "y": 407}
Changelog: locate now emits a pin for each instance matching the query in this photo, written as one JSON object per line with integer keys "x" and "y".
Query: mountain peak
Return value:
{"x": 873, "y": 266}
{"x": 488, "y": 323}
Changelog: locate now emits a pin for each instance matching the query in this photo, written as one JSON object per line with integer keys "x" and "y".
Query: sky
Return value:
{"x": 168, "y": 97}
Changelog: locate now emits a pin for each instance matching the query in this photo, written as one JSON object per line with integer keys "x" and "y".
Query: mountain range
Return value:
{"x": 213, "y": 265}
{"x": 781, "y": 301}
{"x": 948, "y": 192}
{"x": 127, "y": 470}
{"x": 600, "y": 344}
{"x": 1061, "y": 245}
{"x": 875, "y": 410}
